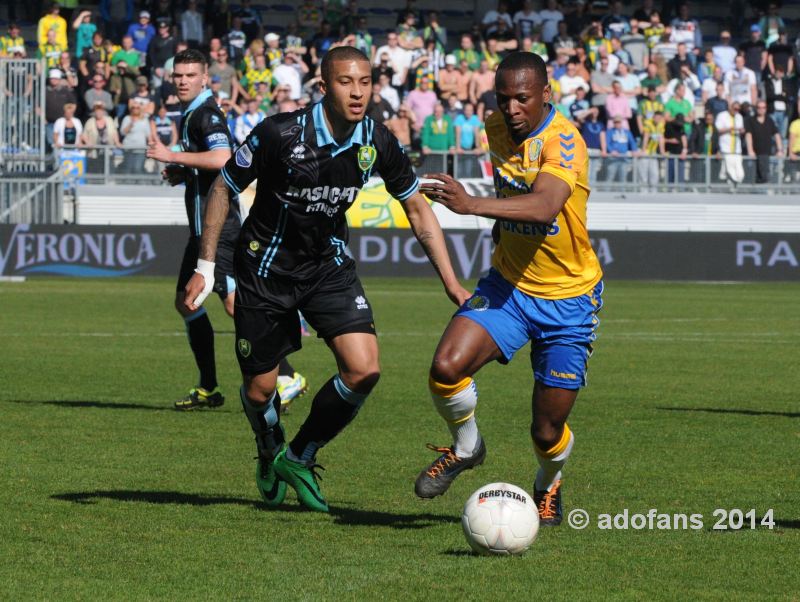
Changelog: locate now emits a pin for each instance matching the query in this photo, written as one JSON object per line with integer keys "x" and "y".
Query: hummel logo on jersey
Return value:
{"x": 361, "y": 303}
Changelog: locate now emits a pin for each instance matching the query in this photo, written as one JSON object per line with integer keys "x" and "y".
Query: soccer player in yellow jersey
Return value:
{"x": 545, "y": 284}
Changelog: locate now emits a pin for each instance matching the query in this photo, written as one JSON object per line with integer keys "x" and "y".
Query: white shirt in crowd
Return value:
{"x": 491, "y": 17}
{"x": 691, "y": 84}
{"x": 399, "y": 60}
{"x": 630, "y": 82}
{"x": 724, "y": 57}
{"x": 287, "y": 75}
{"x": 683, "y": 32}
{"x": 777, "y": 87}
{"x": 568, "y": 87}
{"x": 61, "y": 124}
{"x": 730, "y": 143}
{"x": 527, "y": 21}
{"x": 550, "y": 19}
{"x": 740, "y": 83}
{"x": 138, "y": 134}
{"x": 245, "y": 124}
{"x": 391, "y": 96}
{"x": 709, "y": 88}
{"x": 613, "y": 63}
{"x": 192, "y": 26}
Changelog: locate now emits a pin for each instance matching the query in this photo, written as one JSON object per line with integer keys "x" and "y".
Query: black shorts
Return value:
{"x": 265, "y": 314}
{"x": 224, "y": 283}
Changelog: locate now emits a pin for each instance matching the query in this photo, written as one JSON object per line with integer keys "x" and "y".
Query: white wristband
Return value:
{"x": 206, "y": 270}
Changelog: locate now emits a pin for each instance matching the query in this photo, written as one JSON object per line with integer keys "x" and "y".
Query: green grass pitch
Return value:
{"x": 107, "y": 493}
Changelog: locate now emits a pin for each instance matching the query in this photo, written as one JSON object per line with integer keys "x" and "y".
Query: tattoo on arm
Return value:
{"x": 425, "y": 238}
{"x": 216, "y": 212}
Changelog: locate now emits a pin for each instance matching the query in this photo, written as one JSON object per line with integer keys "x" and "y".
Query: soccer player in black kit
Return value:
{"x": 310, "y": 165}
{"x": 206, "y": 145}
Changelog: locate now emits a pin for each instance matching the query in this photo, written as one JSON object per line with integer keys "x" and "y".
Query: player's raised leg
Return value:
{"x": 464, "y": 348}
{"x": 333, "y": 408}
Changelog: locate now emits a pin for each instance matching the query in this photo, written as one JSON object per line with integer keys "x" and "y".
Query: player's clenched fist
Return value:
{"x": 199, "y": 285}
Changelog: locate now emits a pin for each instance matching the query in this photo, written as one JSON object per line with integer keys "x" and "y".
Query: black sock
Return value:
{"x": 285, "y": 368}
{"x": 201, "y": 340}
{"x": 333, "y": 408}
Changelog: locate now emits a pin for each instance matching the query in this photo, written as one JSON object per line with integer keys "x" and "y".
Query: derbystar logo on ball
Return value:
{"x": 495, "y": 493}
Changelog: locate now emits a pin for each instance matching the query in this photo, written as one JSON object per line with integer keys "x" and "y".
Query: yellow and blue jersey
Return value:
{"x": 556, "y": 260}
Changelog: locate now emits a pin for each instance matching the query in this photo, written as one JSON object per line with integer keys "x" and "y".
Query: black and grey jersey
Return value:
{"x": 204, "y": 128}
{"x": 306, "y": 182}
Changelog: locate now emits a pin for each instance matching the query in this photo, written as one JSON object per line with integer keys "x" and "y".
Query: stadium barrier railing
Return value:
{"x": 22, "y": 107}
{"x": 633, "y": 174}
{"x": 27, "y": 199}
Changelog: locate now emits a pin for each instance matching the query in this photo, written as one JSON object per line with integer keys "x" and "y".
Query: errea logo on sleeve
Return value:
{"x": 361, "y": 303}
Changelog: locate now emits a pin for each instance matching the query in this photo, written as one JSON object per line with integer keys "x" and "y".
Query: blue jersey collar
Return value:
{"x": 545, "y": 123}
{"x": 324, "y": 137}
{"x": 199, "y": 99}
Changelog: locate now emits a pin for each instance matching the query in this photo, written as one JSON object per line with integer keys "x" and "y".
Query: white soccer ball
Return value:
{"x": 500, "y": 518}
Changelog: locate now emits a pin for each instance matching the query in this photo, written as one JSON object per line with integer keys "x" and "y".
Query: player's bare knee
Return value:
{"x": 363, "y": 380}
{"x": 445, "y": 370}
{"x": 546, "y": 433}
{"x": 259, "y": 387}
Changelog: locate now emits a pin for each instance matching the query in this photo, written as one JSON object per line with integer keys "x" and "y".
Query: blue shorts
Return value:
{"x": 561, "y": 331}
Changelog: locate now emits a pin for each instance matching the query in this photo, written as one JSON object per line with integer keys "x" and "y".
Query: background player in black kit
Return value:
{"x": 310, "y": 165}
{"x": 206, "y": 145}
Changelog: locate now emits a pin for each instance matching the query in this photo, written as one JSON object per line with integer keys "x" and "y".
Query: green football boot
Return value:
{"x": 271, "y": 487}
{"x": 303, "y": 480}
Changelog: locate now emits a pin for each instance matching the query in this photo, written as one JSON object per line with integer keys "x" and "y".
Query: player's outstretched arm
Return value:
{"x": 201, "y": 283}
{"x": 538, "y": 207}
{"x": 210, "y": 160}
{"x": 429, "y": 234}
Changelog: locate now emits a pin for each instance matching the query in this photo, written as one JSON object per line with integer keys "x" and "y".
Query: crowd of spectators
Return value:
{"x": 636, "y": 82}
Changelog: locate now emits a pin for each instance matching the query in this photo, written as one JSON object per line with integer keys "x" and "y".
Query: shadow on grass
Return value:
{"x": 341, "y": 515}
{"x": 106, "y": 405}
{"x": 460, "y": 553}
{"x": 376, "y": 518}
{"x": 787, "y": 524}
{"x": 153, "y": 497}
{"x": 734, "y": 411}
